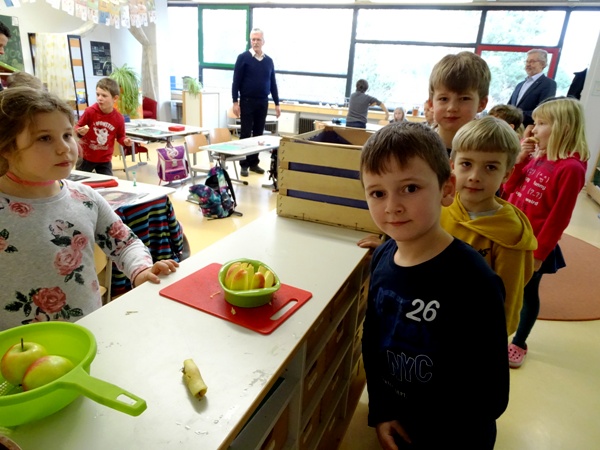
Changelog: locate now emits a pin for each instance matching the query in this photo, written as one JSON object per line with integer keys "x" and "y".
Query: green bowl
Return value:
{"x": 75, "y": 343}
{"x": 253, "y": 297}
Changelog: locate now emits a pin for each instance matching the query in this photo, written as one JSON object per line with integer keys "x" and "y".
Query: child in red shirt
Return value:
{"x": 98, "y": 128}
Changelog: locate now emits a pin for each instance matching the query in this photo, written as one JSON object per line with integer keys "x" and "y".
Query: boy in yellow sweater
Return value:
{"x": 483, "y": 157}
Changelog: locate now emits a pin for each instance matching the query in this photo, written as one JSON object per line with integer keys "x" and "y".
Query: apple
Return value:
{"x": 239, "y": 281}
{"x": 258, "y": 281}
{"x": 269, "y": 278}
{"x": 18, "y": 358}
{"x": 231, "y": 272}
{"x": 45, "y": 370}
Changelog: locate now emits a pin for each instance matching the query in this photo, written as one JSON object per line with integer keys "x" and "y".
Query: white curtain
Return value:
{"x": 149, "y": 67}
{"x": 53, "y": 64}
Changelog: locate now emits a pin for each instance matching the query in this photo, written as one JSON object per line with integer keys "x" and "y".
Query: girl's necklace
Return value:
{"x": 11, "y": 176}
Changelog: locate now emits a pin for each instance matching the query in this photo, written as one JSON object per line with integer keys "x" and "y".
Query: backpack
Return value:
{"x": 216, "y": 198}
{"x": 172, "y": 164}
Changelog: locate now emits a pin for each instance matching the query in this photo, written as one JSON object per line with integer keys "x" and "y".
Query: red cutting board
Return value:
{"x": 202, "y": 290}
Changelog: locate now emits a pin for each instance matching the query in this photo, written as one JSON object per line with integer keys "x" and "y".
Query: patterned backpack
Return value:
{"x": 216, "y": 198}
{"x": 172, "y": 164}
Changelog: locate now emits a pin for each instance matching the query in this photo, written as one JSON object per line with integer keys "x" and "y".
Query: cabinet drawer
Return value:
{"x": 337, "y": 340}
{"x": 317, "y": 331}
{"x": 312, "y": 381}
{"x": 310, "y": 430}
{"x": 278, "y": 435}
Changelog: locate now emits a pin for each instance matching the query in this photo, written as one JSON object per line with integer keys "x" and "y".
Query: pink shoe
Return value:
{"x": 516, "y": 355}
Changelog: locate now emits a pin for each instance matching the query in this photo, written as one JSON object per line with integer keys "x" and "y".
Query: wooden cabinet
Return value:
{"x": 316, "y": 395}
{"x": 202, "y": 110}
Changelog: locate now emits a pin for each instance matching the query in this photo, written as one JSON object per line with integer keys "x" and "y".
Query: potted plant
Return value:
{"x": 129, "y": 83}
{"x": 192, "y": 85}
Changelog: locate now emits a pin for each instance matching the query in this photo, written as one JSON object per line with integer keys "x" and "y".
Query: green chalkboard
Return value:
{"x": 13, "y": 53}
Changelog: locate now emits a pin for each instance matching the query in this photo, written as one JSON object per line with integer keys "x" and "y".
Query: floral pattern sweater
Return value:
{"x": 47, "y": 254}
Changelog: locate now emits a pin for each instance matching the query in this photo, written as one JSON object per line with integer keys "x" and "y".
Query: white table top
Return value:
{"x": 147, "y": 192}
{"x": 246, "y": 146}
{"x": 144, "y": 338}
{"x": 150, "y": 129}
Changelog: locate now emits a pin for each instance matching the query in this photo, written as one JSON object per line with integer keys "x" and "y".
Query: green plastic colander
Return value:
{"x": 75, "y": 343}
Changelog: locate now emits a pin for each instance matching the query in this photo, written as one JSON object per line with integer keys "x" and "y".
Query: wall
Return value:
{"x": 590, "y": 97}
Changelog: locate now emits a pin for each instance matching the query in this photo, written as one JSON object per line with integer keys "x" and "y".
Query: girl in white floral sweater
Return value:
{"x": 48, "y": 225}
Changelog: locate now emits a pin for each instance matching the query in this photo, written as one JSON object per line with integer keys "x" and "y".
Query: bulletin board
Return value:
{"x": 13, "y": 53}
{"x": 101, "y": 60}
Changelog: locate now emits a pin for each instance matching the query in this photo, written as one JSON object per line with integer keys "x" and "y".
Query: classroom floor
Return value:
{"x": 553, "y": 403}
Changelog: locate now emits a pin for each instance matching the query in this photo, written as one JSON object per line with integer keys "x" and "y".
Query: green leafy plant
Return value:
{"x": 129, "y": 83}
{"x": 192, "y": 85}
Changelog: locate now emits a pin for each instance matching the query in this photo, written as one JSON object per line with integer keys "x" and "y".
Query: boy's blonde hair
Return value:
{"x": 460, "y": 73}
{"x": 488, "y": 134}
{"x": 109, "y": 85}
{"x": 18, "y": 106}
{"x": 566, "y": 116}
{"x": 401, "y": 142}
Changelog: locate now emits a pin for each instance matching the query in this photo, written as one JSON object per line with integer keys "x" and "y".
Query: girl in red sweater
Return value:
{"x": 547, "y": 179}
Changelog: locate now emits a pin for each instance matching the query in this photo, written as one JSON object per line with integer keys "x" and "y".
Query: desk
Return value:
{"x": 143, "y": 339}
{"x": 242, "y": 147}
{"x": 143, "y": 131}
{"x": 151, "y": 218}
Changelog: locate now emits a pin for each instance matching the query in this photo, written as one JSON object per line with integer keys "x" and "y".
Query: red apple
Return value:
{"x": 18, "y": 358}
{"x": 45, "y": 370}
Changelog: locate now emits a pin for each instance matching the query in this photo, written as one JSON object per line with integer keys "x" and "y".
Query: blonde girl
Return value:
{"x": 548, "y": 176}
{"x": 48, "y": 225}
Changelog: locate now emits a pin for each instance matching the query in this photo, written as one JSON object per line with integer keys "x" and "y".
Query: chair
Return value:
{"x": 218, "y": 135}
{"x": 104, "y": 273}
{"x": 149, "y": 107}
{"x": 233, "y": 122}
{"x": 193, "y": 142}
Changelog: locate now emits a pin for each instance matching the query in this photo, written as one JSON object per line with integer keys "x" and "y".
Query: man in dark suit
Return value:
{"x": 536, "y": 87}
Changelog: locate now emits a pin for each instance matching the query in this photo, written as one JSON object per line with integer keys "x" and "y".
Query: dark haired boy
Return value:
{"x": 99, "y": 127}
{"x": 432, "y": 299}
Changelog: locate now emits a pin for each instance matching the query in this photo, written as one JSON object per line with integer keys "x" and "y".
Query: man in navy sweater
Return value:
{"x": 253, "y": 81}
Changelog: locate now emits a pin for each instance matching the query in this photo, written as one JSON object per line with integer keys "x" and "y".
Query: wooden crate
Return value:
{"x": 319, "y": 181}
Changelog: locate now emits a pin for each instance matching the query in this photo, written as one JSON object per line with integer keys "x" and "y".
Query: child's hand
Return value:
{"x": 528, "y": 147}
{"x": 372, "y": 241}
{"x": 387, "y": 432}
{"x": 127, "y": 141}
{"x": 151, "y": 273}
{"x": 83, "y": 130}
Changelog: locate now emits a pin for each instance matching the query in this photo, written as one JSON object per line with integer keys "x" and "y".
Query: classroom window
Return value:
{"x": 224, "y": 32}
{"x": 185, "y": 21}
{"x": 312, "y": 88}
{"x": 311, "y": 40}
{"x": 398, "y": 75}
{"x": 417, "y": 25}
{"x": 541, "y": 28}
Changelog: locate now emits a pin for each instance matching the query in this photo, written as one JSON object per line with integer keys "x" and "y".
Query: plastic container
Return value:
{"x": 77, "y": 344}
{"x": 252, "y": 297}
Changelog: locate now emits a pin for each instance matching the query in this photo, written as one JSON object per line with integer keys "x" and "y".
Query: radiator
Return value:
{"x": 305, "y": 125}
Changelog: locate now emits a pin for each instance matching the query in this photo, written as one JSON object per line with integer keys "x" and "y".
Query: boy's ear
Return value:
{"x": 448, "y": 190}
{"x": 482, "y": 104}
{"x": 508, "y": 174}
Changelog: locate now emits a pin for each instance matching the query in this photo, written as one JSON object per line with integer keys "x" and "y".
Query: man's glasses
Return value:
{"x": 532, "y": 61}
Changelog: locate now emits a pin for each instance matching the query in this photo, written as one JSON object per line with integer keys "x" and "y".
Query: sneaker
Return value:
{"x": 257, "y": 169}
{"x": 516, "y": 355}
{"x": 244, "y": 172}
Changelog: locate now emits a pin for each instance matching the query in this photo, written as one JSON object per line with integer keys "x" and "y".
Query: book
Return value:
{"x": 116, "y": 198}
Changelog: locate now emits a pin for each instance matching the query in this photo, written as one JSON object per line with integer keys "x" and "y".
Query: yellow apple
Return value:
{"x": 269, "y": 278}
{"x": 230, "y": 273}
{"x": 239, "y": 282}
{"x": 45, "y": 370}
{"x": 18, "y": 358}
{"x": 258, "y": 281}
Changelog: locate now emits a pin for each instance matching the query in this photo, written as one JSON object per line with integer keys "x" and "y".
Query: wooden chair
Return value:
{"x": 193, "y": 142}
{"x": 218, "y": 135}
{"x": 233, "y": 122}
{"x": 104, "y": 272}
